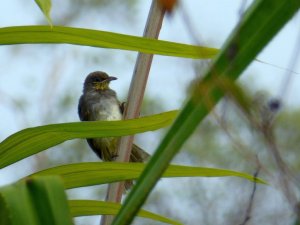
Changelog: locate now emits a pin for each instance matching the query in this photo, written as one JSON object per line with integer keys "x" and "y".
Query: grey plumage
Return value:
{"x": 99, "y": 102}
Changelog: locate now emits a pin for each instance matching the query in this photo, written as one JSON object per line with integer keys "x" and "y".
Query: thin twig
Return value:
{"x": 264, "y": 123}
{"x": 134, "y": 101}
{"x": 251, "y": 200}
{"x": 284, "y": 173}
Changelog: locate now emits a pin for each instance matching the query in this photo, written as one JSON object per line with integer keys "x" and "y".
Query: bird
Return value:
{"x": 99, "y": 102}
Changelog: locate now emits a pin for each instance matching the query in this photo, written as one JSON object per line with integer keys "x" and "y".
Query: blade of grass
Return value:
{"x": 95, "y": 173}
{"x": 92, "y": 207}
{"x": 48, "y": 197}
{"x": 260, "y": 24}
{"x": 33, "y": 140}
{"x": 103, "y": 39}
{"x": 15, "y": 205}
{"x": 35, "y": 201}
{"x": 45, "y": 6}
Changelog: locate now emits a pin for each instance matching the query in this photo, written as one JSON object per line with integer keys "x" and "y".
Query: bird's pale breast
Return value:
{"x": 107, "y": 108}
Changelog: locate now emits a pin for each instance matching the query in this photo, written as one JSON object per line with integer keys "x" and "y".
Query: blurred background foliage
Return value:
{"x": 225, "y": 139}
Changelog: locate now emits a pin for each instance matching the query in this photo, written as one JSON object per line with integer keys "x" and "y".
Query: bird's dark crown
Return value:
{"x": 97, "y": 81}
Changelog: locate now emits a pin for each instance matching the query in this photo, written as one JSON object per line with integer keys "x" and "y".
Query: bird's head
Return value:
{"x": 98, "y": 81}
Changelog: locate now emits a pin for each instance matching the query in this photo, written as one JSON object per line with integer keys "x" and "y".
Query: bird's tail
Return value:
{"x": 138, "y": 154}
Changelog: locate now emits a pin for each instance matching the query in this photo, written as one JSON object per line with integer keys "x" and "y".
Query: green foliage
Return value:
{"x": 91, "y": 207}
{"x": 102, "y": 39}
{"x": 35, "y": 201}
{"x": 33, "y": 140}
{"x": 87, "y": 174}
{"x": 45, "y": 6}
{"x": 253, "y": 32}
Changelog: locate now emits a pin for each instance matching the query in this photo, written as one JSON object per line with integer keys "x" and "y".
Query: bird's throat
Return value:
{"x": 101, "y": 86}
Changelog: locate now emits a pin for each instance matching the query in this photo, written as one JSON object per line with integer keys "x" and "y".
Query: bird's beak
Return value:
{"x": 111, "y": 78}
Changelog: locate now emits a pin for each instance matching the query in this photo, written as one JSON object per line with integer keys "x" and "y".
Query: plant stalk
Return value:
{"x": 134, "y": 101}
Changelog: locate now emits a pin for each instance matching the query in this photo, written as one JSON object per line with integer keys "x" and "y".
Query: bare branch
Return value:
{"x": 251, "y": 200}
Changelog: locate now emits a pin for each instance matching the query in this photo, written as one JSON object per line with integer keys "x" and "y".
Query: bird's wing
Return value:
{"x": 83, "y": 110}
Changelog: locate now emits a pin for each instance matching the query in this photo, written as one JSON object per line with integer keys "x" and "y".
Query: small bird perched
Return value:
{"x": 99, "y": 102}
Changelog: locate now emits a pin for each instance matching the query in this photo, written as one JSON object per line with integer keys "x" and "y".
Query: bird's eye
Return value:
{"x": 97, "y": 79}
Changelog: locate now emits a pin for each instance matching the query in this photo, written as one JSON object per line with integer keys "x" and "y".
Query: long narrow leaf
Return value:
{"x": 103, "y": 39}
{"x": 33, "y": 140}
{"x": 92, "y": 207}
{"x": 45, "y": 6}
{"x": 260, "y": 24}
{"x": 15, "y": 205}
{"x": 35, "y": 201}
{"x": 48, "y": 197}
{"x": 94, "y": 173}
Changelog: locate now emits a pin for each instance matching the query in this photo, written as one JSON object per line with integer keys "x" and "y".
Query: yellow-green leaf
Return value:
{"x": 94, "y": 173}
{"x": 92, "y": 207}
{"x": 258, "y": 25}
{"x": 102, "y": 39}
{"x": 33, "y": 140}
{"x": 45, "y": 6}
{"x": 35, "y": 201}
